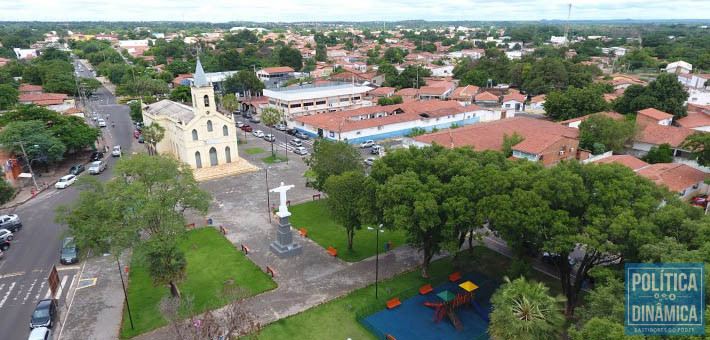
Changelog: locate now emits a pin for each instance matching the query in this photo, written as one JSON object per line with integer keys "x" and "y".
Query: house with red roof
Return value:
{"x": 28, "y": 88}
{"x": 408, "y": 92}
{"x": 654, "y": 135}
{"x": 698, "y": 118}
{"x": 464, "y": 94}
{"x": 388, "y": 121}
{"x": 381, "y": 92}
{"x": 575, "y": 122}
{"x": 273, "y": 76}
{"x": 434, "y": 92}
{"x": 653, "y": 116}
{"x": 536, "y": 104}
{"x": 626, "y": 160}
{"x": 42, "y": 99}
{"x": 486, "y": 98}
{"x": 514, "y": 101}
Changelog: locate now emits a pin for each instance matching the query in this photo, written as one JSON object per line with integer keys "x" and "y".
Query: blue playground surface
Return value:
{"x": 413, "y": 320}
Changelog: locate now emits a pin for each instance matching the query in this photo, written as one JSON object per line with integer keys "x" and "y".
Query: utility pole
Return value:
{"x": 569, "y": 13}
{"x": 29, "y": 165}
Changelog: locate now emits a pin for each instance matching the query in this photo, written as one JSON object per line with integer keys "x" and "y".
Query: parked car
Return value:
{"x": 552, "y": 258}
{"x": 139, "y": 126}
{"x": 254, "y": 119}
{"x": 65, "y": 181}
{"x": 97, "y": 167}
{"x": 96, "y": 155}
{"x": 116, "y": 151}
{"x": 700, "y": 201}
{"x": 301, "y": 135}
{"x": 259, "y": 134}
{"x": 269, "y": 137}
{"x": 4, "y": 244}
{"x": 240, "y": 124}
{"x": 44, "y": 314}
{"x": 237, "y": 112}
{"x": 6, "y": 235}
{"x": 280, "y": 127}
{"x": 292, "y": 132}
{"x": 77, "y": 169}
{"x": 10, "y": 222}
{"x": 69, "y": 252}
{"x": 95, "y": 117}
{"x": 295, "y": 142}
{"x": 370, "y": 161}
{"x": 102, "y": 123}
{"x": 376, "y": 149}
{"x": 40, "y": 333}
{"x": 367, "y": 144}
{"x": 300, "y": 151}
{"x": 140, "y": 139}
{"x": 136, "y": 134}
{"x": 246, "y": 128}
{"x": 247, "y": 115}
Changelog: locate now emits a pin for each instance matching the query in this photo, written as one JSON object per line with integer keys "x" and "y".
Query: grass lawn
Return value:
{"x": 272, "y": 159}
{"x": 315, "y": 217}
{"x": 211, "y": 260}
{"x": 336, "y": 319}
{"x": 254, "y": 151}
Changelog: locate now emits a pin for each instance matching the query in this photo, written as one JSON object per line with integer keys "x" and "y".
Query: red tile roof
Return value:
{"x": 658, "y": 134}
{"x": 486, "y": 96}
{"x": 516, "y": 96}
{"x": 381, "y": 91}
{"x": 407, "y": 92}
{"x": 489, "y": 135}
{"x": 180, "y": 77}
{"x": 43, "y": 98}
{"x": 279, "y": 69}
{"x": 655, "y": 114}
{"x": 626, "y": 160}
{"x": 29, "y": 88}
{"x": 694, "y": 119}
{"x": 610, "y": 114}
{"x": 538, "y": 143}
{"x": 608, "y": 97}
{"x": 349, "y": 120}
{"x": 432, "y": 90}
{"x": 538, "y": 99}
{"x": 464, "y": 92}
{"x": 675, "y": 176}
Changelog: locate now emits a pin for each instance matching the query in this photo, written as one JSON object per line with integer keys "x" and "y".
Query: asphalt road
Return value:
{"x": 26, "y": 265}
{"x": 282, "y": 138}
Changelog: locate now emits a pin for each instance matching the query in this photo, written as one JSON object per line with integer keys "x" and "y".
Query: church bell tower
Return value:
{"x": 202, "y": 92}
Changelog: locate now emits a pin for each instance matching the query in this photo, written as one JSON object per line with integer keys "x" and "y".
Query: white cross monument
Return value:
{"x": 284, "y": 247}
{"x": 283, "y": 209}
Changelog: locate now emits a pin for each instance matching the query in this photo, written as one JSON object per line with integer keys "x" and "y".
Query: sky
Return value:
{"x": 351, "y": 10}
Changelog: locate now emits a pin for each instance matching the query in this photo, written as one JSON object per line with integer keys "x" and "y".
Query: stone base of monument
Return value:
{"x": 284, "y": 247}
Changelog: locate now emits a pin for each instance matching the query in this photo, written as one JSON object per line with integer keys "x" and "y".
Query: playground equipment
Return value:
{"x": 453, "y": 301}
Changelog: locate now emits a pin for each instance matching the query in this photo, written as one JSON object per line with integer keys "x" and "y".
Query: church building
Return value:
{"x": 199, "y": 135}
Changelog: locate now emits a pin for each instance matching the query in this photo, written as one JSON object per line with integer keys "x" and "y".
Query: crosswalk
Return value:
{"x": 29, "y": 288}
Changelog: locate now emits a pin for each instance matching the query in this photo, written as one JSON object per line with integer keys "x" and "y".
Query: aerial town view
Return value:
{"x": 395, "y": 170}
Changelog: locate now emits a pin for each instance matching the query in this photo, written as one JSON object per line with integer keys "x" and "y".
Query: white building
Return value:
{"x": 25, "y": 53}
{"x": 132, "y": 43}
{"x": 558, "y": 41}
{"x": 679, "y": 67}
{"x": 311, "y": 99}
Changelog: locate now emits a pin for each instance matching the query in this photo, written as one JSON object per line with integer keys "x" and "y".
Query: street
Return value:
{"x": 282, "y": 138}
{"x": 27, "y": 263}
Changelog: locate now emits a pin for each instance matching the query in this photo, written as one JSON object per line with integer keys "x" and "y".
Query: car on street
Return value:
{"x": 40, "y": 333}
{"x": 4, "y": 244}
{"x": 280, "y": 127}
{"x": 367, "y": 144}
{"x": 96, "y": 155}
{"x": 259, "y": 134}
{"x": 370, "y": 161}
{"x": 141, "y": 139}
{"x": 240, "y": 124}
{"x": 292, "y": 132}
{"x": 102, "y": 123}
{"x": 44, "y": 314}
{"x": 552, "y": 258}
{"x": 65, "y": 181}
{"x": 700, "y": 201}
{"x": 97, "y": 167}
{"x": 76, "y": 169}
{"x": 247, "y": 115}
{"x": 376, "y": 149}
{"x": 136, "y": 134}
{"x": 301, "y": 135}
{"x": 295, "y": 142}
{"x": 69, "y": 252}
{"x": 246, "y": 128}
{"x": 6, "y": 235}
{"x": 300, "y": 151}
{"x": 254, "y": 119}
{"x": 95, "y": 117}
{"x": 269, "y": 137}
{"x": 10, "y": 222}
{"x": 237, "y": 112}
{"x": 116, "y": 151}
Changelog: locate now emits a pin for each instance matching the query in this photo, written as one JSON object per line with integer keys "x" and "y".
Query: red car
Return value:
{"x": 700, "y": 201}
{"x": 136, "y": 134}
{"x": 246, "y": 128}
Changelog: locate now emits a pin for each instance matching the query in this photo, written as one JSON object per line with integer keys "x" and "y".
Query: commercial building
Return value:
{"x": 311, "y": 99}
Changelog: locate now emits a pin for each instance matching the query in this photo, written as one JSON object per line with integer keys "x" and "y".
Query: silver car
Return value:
{"x": 6, "y": 235}
{"x": 97, "y": 167}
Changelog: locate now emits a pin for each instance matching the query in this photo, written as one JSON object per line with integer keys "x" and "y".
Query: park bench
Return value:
{"x": 393, "y": 303}
{"x": 303, "y": 232}
{"x": 453, "y": 277}
{"x": 426, "y": 289}
{"x": 316, "y": 196}
{"x": 271, "y": 271}
{"x": 245, "y": 250}
{"x": 332, "y": 251}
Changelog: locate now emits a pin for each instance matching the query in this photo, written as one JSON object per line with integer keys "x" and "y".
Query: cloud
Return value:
{"x": 352, "y": 10}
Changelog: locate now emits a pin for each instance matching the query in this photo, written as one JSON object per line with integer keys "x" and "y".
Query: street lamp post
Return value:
{"x": 377, "y": 254}
{"x": 268, "y": 198}
{"x": 125, "y": 296}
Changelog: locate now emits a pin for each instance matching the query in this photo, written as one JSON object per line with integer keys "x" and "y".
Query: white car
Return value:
{"x": 258, "y": 134}
{"x": 97, "y": 167}
{"x": 300, "y": 151}
{"x": 102, "y": 123}
{"x": 367, "y": 144}
{"x": 116, "y": 151}
{"x": 370, "y": 161}
{"x": 40, "y": 333}
{"x": 6, "y": 235}
{"x": 65, "y": 181}
{"x": 296, "y": 142}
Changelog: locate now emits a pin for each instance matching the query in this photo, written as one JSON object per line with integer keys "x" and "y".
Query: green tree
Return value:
{"x": 574, "y": 103}
{"x": 153, "y": 134}
{"x": 271, "y": 116}
{"x": 89, "y": 85}
{"x": 142, "y": 207}
{"x": 242, "y": 82}
{"x": 665, "y": 94}
{"x": 8, "y": 96}
{"x": 321, "y": 52}
{"x": 345, "y": 192}
{"x": 394, "y": 55}
{"x": 389, "y": 100}
{"x": 612, "y": 133}
{"x": 290, "y": 57}
{"x": 39, "y": 144}
{"x": 6, "y": 191}
{"x": 510, "y": 141}
{"x": 59, "y": 82}
{"x": 230, "y": 102}
{"x": 136, "y": 112}
{"x": 332, "y": 158}
{"x": 546, "y": 75}
{"x": 71, "y": 131}
{"x": 474, "y": 77}
{"x": 659, "y": 154}
{"x": 699, "y": 146}
{"x": 181, "y": 93}
{"x": 525, "y": 310}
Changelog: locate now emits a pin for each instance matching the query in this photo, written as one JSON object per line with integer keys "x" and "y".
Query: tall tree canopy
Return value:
{"x": 575, "y": 102}
{"x": 665, "y": 94}
{"x": 332, "y": 158}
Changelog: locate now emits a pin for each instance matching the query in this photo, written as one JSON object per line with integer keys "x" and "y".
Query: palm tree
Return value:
{"x": 271, "y": 116}
{"x": 153, "y": 134}
{"x": 525, "y": 310}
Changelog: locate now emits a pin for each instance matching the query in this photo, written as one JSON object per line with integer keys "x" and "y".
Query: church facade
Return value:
{"x": 198, "y": 135}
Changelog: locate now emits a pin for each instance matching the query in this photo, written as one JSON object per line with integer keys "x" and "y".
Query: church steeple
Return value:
{"x": 199, "y": 79}
{"x": 202, "y": 92}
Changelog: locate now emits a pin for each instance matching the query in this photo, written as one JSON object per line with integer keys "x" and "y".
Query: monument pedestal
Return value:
{"x": 284, "y": 247}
